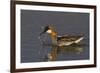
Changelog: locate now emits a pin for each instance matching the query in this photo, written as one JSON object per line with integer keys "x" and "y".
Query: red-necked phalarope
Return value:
{"x": 64, "y": 40}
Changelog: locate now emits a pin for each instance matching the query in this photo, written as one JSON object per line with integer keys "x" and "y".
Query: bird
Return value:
{"x": 62, "y": 40}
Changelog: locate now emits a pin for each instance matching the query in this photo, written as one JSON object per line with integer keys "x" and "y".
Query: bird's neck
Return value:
{"x": 53, "y": 36}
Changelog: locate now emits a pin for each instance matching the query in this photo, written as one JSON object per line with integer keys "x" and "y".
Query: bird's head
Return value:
{"x": 47, "y": 29}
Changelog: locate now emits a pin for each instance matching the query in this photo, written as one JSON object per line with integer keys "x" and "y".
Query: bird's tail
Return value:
{"x": 78, "y": 40}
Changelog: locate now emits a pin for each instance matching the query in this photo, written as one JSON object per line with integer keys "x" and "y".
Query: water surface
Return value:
{"x": 72, "y": 23}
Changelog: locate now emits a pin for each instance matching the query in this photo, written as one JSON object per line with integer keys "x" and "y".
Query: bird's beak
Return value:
{"x": 45, "y": 30}
{"x": 42, "y": 33}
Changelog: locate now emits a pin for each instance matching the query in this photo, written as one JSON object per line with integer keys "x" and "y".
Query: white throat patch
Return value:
{"x": 49, "y": 31}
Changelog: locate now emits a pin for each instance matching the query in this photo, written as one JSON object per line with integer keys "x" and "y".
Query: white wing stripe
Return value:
{"x": 77, "y": 41}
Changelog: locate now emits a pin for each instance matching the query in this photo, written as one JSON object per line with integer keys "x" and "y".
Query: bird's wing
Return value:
{"x": 68, "y": 38}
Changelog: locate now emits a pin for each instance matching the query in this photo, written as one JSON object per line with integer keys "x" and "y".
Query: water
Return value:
{"x": 67, "y": 53}
{"x": 64, "y": 23}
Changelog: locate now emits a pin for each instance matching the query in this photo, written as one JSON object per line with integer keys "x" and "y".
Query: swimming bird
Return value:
{"x": 64, "y": 40}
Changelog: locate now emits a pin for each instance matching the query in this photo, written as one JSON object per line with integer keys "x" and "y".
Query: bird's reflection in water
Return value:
{"x": 55, "y": 50}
